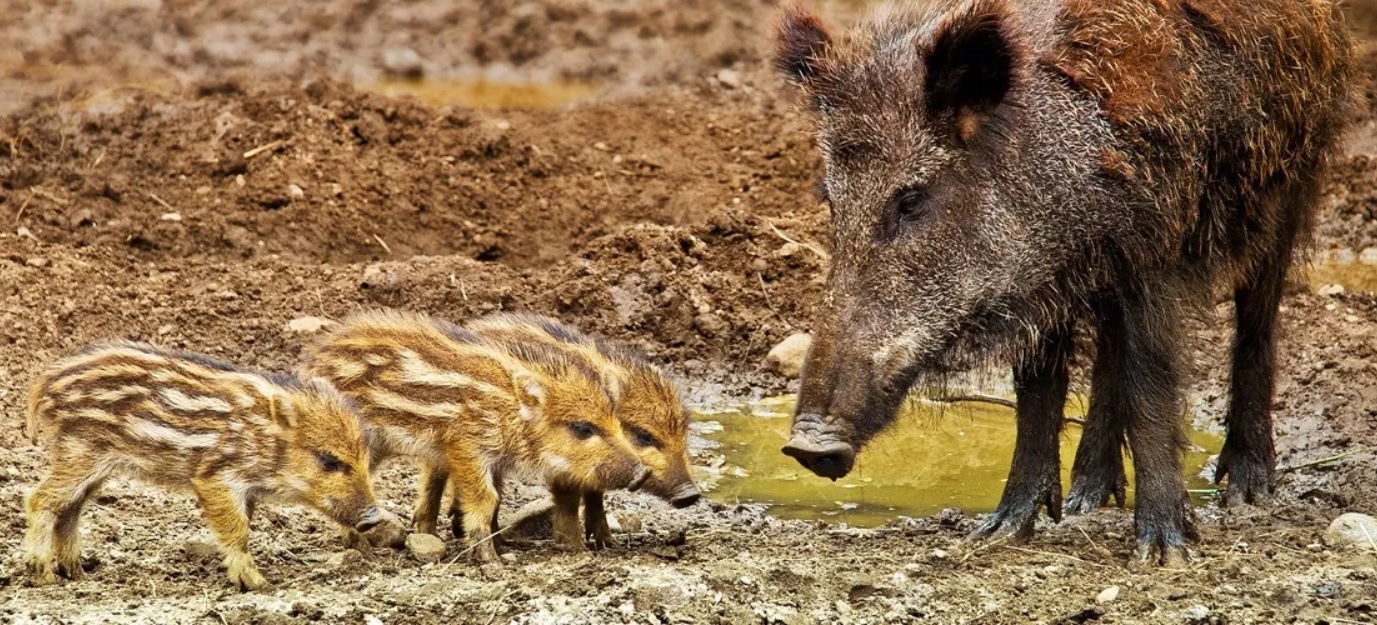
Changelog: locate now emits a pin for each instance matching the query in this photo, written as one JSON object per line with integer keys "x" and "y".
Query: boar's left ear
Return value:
{"x": 801, "y": 44}
{"x": 283, "y": 416}
{"x": 529, "y": 392}
{"x": 972, "y": 66}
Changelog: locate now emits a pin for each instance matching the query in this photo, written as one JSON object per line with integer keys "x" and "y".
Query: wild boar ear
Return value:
{"x": 283, "y": 416}
{"x": 529, "y": 392}
{"x": 972, "y": 66}
{"x": 612, "y": 383}
{"x": 801, "y": 45}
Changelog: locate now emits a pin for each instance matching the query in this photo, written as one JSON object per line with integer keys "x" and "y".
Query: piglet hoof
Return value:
{"x": 485, "y": 553}
{"x": 72, "y": 570}
{"x": 1250, "y": 479}
{"x": 599, "y": 535}
{"x": 41, "y": 574}
{"x": 248, "y": 579}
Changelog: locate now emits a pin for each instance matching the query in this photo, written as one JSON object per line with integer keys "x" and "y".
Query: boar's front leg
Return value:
{"x": 1040, "y": 382}
{"x": 1147, "y": 326}
{"x": 476, "y": 490}
{"x": 595, "y": 527}
{"x": 565, "y": 517}
{"x": 227, "y": 514}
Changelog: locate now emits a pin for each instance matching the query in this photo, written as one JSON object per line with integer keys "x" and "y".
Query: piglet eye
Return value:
{"x": 584, "y": 430}
{"x": 910, "y": 203}
{"x": 329, "y": 462}
{"x": 643, "y": 438}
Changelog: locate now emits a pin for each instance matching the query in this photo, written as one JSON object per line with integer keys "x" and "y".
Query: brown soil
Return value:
{"x": 660, "y": 213}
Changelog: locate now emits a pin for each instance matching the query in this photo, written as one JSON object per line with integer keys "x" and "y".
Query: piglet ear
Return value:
{"x": 530, "y": 392}
{"x": 972, "y": 65}
{"x": 801, "y": 45}
{"x": 283, "y": 416}
{"x": 612, "y": 384}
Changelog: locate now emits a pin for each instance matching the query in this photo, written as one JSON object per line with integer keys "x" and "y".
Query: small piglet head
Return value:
{"x": 581, "y": 442}
{"x": 653, "y": 415}
{"x": 918, "y": 115}
{"x": 327, "y": 454}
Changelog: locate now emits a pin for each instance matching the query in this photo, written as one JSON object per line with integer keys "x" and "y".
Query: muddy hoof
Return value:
{"x": 1250, "y": 479}
{"x": 1092, "y": 492}
{"x": 1018, "y": 511}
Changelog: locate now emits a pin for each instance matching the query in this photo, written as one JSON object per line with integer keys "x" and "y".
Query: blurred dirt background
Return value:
{"x": 201, "y": 173}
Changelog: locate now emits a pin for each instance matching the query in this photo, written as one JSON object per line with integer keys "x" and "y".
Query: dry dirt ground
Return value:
{"x": 674, "y": 210}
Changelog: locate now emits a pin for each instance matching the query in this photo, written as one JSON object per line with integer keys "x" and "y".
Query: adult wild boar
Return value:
{"x": 1000, "y": 170}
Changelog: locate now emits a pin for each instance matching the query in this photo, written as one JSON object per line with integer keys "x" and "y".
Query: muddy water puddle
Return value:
{"x": 1353, "y": 271}
{"x": 935, "y": 456}
{"x": 487, "y": 93}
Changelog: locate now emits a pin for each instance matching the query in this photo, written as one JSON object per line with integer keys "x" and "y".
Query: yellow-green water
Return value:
{"x": 934, "y": 457}
{"x": 490, "y": 94}
{"x": 1355, "y": 272}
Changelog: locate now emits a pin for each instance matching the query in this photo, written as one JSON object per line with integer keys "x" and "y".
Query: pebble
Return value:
{"x": 344, "y": 559}
{"x": 938, "y": 554}
{"x": 372, "y": 620}
{"x": 24, "y": 232}
{"x": 787, "y": 357}
{"x": 509, "y": 558}
{"x": 630, "y": 522}
{"x": 1352, "y": 528}
{"x": 502, "y": 124}
{"x": 201, "y": 549}
{"x": 729, "y": 78}
{"x": 403, "y": 62}
{"x": 1107, "y": 595}
{"x": 170, "y": 217}
{"x": 296, "y": 192}
{"x": 425, "y": 547}
{"x": 1196, "y": 614}
{"x": 37, "y": 261}
{"x": 308, "y": 325}
{"x": 1330, "y": 290}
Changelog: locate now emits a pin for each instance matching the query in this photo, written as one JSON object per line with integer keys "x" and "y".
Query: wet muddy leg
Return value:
{"x": 1035, "y": 474}
{"x": 1097, "y": 474}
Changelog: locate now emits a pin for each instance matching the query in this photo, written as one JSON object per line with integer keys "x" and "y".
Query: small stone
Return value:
{"x": 170, "y": 217}
{"x": 295, "y": 192}
{"x": 613, "y": 523}
{"x": 425, "y": 547}
{"x": 403, "y": 62}
{"x": 1330, "y": 290}
{"x": 1196, "y": 614}
{"x": 201, "y": 550}
{"x": 239, "y": 180}
{"x": 508, "y": 557}
{"x": 24, "y": 232}
{"x": 166, "y": 329}
{"x": 787, "y": 357}
{"x": 372, "y": 620}
{"x": 1352, "y": 528}
{"x": 37, "y": 261}
{"x": 336, "y": 189}
{"x": 308, "y": 325}
{"x": 939, "y": 554}
{"x": 344, "y": 559}
{"x": 601, "y": 146}
{"x": 1107, "y": 595}
{"x": 630, "y": 522}
{"x": 729, "y": 79}
{"x": 502, "y": 124}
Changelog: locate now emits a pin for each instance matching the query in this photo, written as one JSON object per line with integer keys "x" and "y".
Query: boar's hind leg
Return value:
{"x": 1249, "y": 457}
{"x": 1040, "y": 382}
{"x": 1147, "y": 328}
{"x": 53, "y": 510}
{"x": 227, "y": 514}
{"x": 1098, "y": 471}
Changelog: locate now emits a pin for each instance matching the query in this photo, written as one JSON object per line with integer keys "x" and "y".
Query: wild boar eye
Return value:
{"x": 329, "y": 462}
{"x": 910, "y": 203}
{"x": 584, "y": 430}
{"x": 643, "y": 438}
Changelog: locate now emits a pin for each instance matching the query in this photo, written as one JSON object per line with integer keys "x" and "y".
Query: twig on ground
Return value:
{"x": 383, "y": 244}
{"x": 788, "y": 239}
{"x": 161, "y": 202}
{"x": 20, "y": 214}
{"x": 264, "y": 148}
{"x": 474, "y": 546}
{"x": 1323, "y": 461}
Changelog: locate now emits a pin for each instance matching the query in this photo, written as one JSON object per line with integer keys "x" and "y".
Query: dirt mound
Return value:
{"x": 334, "y": 175}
